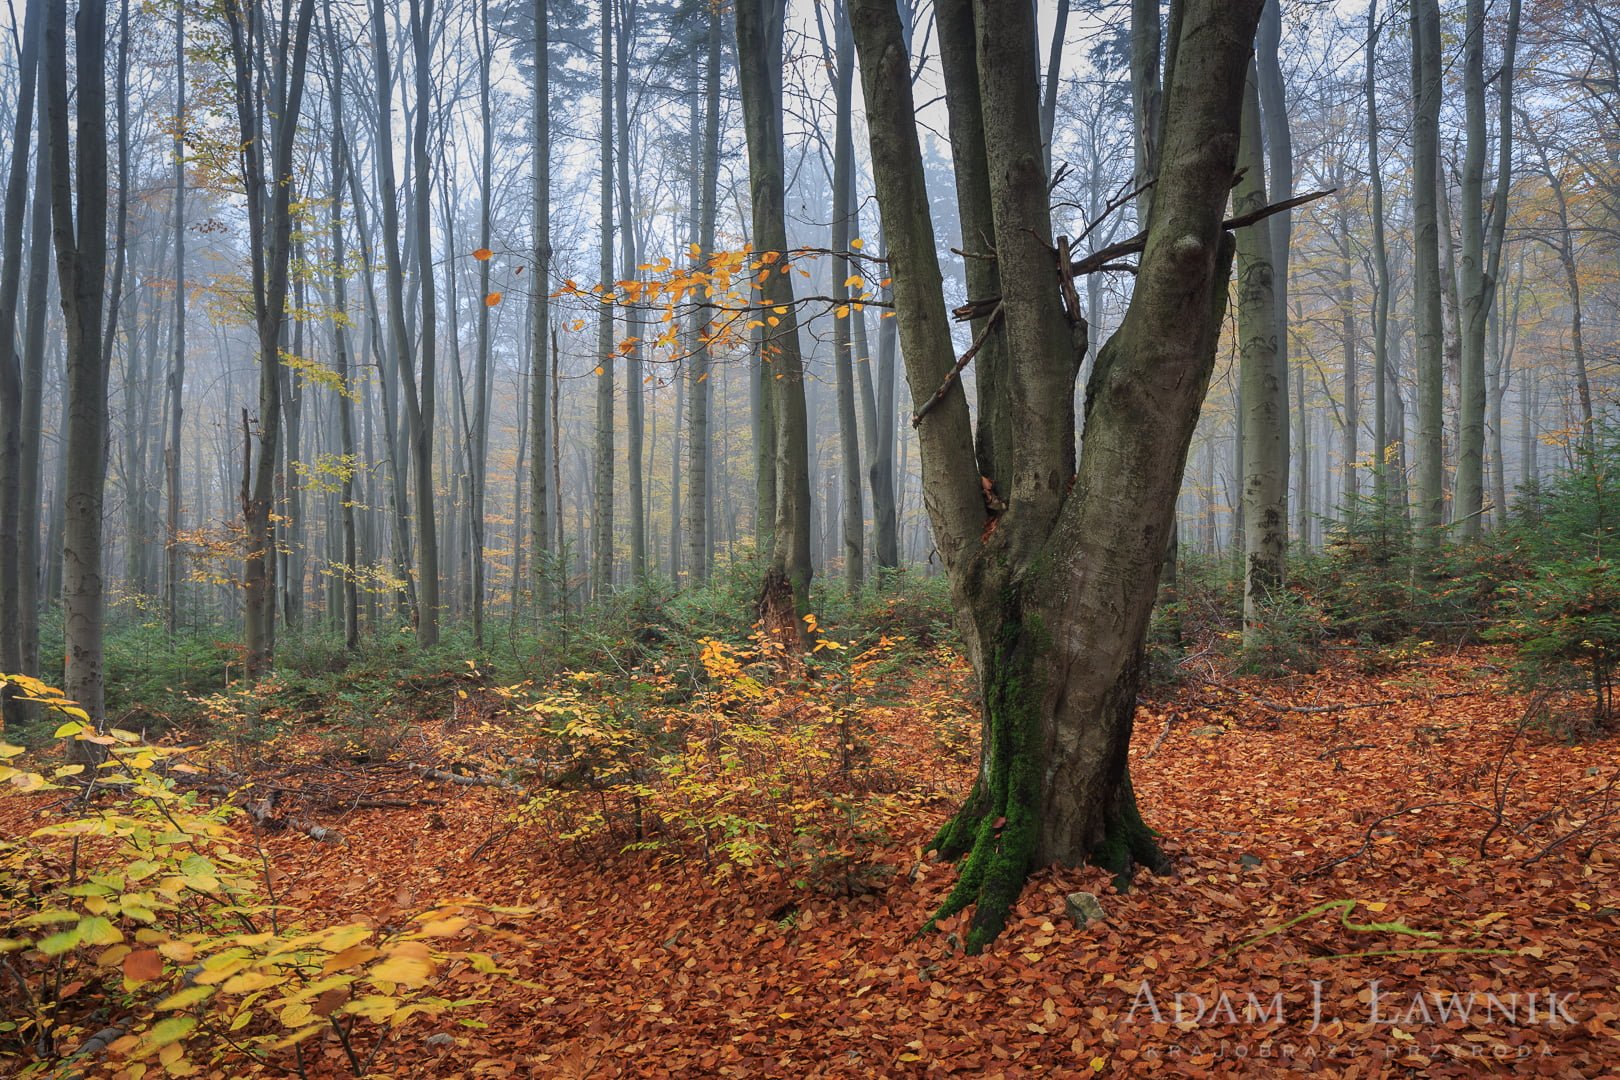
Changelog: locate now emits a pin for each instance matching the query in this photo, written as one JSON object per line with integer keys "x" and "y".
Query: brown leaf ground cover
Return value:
{"x": 1423, "y": 887}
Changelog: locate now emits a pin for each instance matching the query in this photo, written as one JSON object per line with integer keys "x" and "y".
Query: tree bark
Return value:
{"x": 760, "y": 29}
{"x": 12, "y": 513}
{"x": 698, "y": 523}
{"x": 1481, "y": 253}
{"x": 1428, "y": 316}
{"x": 602, "y": 506}
{"x": 1054, "y": 590}
{"x": 79, "y": 228}
{"x": 540, "y": 312}
{"x": 1264, "y": 388}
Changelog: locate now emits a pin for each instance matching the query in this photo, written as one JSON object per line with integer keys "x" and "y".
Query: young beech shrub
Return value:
{"x": 138, "y": 930}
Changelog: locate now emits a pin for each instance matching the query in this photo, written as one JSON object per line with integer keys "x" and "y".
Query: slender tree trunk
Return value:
{"x": 79, "y": 228}
{"x": 698, "y": 498}
{"x": 540, "y": 311}
{"x": 13, "y": 517}
{"x": 177, "y": 370}
{"x": 1264, "y": 387}
{"x": 1428, "y": 317}
{"x": 602, "y": 508}
{"x": 270, "y": 236}
{"x": 842, "y": 63}
{"x": 635, "y": 407}
{"x": 760, "y": 28}
{"x": 29, "y": 576}
{"x": 1482, "y": 237}
{"x": 427, "y": 538}
{"x": 1380, "y": 259}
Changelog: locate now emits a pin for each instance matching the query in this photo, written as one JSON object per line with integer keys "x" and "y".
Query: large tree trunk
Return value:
{"x": 1054, "y": 590}
{"x": 760, "y": 28}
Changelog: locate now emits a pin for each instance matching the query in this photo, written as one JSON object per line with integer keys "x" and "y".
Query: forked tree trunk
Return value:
{"x": 1054, "y": 578}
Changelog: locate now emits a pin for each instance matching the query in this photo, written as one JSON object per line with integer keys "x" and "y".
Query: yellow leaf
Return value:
{"x": 405, "y": 967}
{"x": 170, "y": 1030}
{"x": 297, "y": 1014}
{"x": 376, "y": 1007}
{"x": 854, "y": 281}
{"x": 348, "y": 958}
{"x": 443, "y": 927}
{"x": 249, "y": 981}
{"x": 95, "y": 930}
{"x": 857, "y": 243}
{"x": 184, "y": 999}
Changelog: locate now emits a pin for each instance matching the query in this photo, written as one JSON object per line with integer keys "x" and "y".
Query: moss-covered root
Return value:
{"x": 998, "y": 862}
{"x": 1000, "y": 855}
{"x": 1127, "y": 841}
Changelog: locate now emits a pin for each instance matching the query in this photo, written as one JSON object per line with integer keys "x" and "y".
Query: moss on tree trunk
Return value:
{"x": 997, "y": 833}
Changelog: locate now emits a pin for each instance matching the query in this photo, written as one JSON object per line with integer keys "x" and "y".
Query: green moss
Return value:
{"x": 1002, "y": 813}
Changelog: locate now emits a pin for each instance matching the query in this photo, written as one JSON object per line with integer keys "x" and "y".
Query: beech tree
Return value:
{"x": 1053, "y": 563}
{"x": 79, "y": 234}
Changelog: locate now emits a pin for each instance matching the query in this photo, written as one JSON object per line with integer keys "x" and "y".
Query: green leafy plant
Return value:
{"x": 143, "y": 918}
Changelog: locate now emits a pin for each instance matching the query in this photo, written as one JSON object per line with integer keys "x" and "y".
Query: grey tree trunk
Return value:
{"x": 420, "y": 405}
{"x": 270, "y": 236}
{"x": 698, "y": 523}
{"x": 842, "y": 64}
{"x": 1264, "y": 387}
{"x": 79, "y": 230}
{"x": 1481, "y": 253}
{"x": 398, "y": 353}
{"x": 602, "y": 507}
{"x": 635, "y": 407}
{"x": 12, "y": 513}
{"x": 1279, "y": 183}
{"x": 177, "y": 369}
{"x": 1054, "y": 581}
{"x": 33, "y": 394}
{"x": 1428, "y": 317}
{"x": 477, "y": 482}
{"x": 540, "y": 311}
{"x": 760, "y": 29}
{"x": 1380, "y": 260}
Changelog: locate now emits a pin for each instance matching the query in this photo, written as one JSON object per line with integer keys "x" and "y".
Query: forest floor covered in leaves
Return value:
{"x": 1307, "y": 924}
